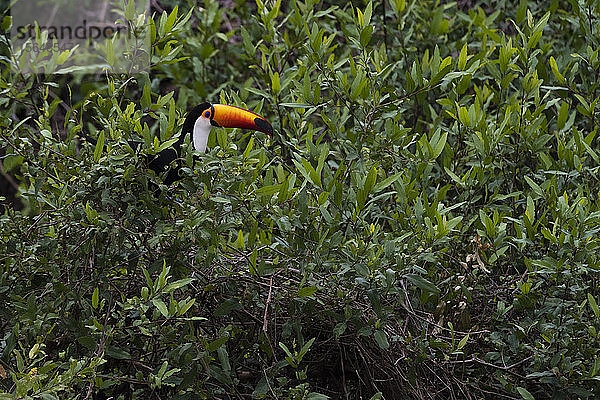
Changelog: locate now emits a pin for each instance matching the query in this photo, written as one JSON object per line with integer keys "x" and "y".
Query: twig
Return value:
{"x": 487, "y": 364}
{"x": 100, "y": 346}
{"x": 343, "y": 370}
{"x": 267, "y": 305}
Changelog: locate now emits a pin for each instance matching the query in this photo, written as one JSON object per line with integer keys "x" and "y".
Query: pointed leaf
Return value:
{"x": 161, "y": 306}
{"x": 593, "y": 305}
{"x": 99, "y": 146}
{"x": 462, "y": 58}
{"x": 386, "y": 182}
{"x": 525, "y": 394}
{"x": 422, "y": 283}
{"x": 370, "y": 181}
{"x": 381, "y": 339}
{"x": 462, "y": 342}
{"x": 95, "y": 297}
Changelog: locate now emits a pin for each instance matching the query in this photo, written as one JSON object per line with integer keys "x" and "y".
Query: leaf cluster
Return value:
{"x": 422, "y": 224}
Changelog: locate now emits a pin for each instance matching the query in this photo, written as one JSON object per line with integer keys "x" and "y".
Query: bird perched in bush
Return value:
{"x": 198, "y": 123}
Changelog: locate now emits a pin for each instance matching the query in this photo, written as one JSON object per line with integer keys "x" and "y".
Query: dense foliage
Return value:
{"x": 423, "y": 223}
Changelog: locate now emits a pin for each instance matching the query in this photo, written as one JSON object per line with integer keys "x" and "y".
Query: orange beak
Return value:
{"x": 236, "y": 117}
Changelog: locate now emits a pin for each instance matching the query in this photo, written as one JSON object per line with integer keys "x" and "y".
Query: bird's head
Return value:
{"x": 203, "y": 117}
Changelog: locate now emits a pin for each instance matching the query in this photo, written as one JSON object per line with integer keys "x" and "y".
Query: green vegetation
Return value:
{"x": 423, "y": 223}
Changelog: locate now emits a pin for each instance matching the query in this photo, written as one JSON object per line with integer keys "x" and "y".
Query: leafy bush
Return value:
{"x": 422, "y": 224}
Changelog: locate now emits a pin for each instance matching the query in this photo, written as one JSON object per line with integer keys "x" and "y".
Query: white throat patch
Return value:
{"x": 202, "y": 129}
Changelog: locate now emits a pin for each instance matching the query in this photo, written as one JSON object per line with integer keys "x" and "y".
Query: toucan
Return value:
{"x": 198, "y": 123}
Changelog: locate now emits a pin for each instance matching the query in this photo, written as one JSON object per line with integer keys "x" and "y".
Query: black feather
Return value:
{"x": 164, "y": 159}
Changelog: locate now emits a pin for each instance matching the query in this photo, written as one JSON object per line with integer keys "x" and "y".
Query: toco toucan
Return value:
{"x": 198, "y": 123}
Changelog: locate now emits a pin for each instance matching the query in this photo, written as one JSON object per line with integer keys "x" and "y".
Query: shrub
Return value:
{"x": 422, "y": 224}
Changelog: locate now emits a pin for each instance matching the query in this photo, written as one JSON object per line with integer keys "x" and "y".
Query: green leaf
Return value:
{"x": 177, "y": 284}
{"x": 119, "y": 354}
{"x": 12, "y": 162}
{"x": 305, "y": 349}
{"x": 6, "y": 22}
{"x": 386, "y": 182}
{"x": 422, "y": 283}
{"x": 534, "y": 39}
{"x": 463, "y": 116}
{"x": 285, "y": 349}
{"x": 130, "y": 10}
{"x": 521, "y": 11}
{"x": 307, "y": 87}
{"x": 34, "y": 350}
{"x": 63, "y": 57}
{"x": 161, "y": 306}
{"x": 316, "y": 396}
{"x": 149, "y": 281}
{"x": 370, "y": 181}
{"x": 454, "y": 222}
{"x": 221, "y": 200}
{"x": 95, "y": 296}
{"x": 454, "y": 177}
{"x": 146, "y": 99}
{"x": 381, "y": 339}
{"x": 525, "y": 394}
{"x": 462, "y": 58}
{"x": 361, "y": 18}
{"x": 268, "y": 190}
{"x": 310, "y": 172}
{"x": 295, "y": 105}
{"x": 239, "y": 243}
{"x": 91, "y": 214}
{"x": 584, "y": 103}
{"x": 591, "y": 151}
{"x": 539, "y": 27}
{"x": 171, "y": 20}
{"x": 246, "y": 153}
{"x": 110, "y": 53}
{"x": 555, "y": 70}
{"x": 444, "y": 69}
{"x": 217, "y": 343}
{"x": 274, "y": 11}
{"x": 99, "y": 147}
{"x": 248, "y": 45}
{"x": 322, "y": 157}
{"x": 400, "y": 5}
{"x": 357, "y": 83}
{"x": 339, "y": 329}
{"x": 283, "y": 191}
{"x": 536, "y": 188}
{"x": 438, "y": 147}
{"x": 368, "y": 13}
{"x": 275, "y": 84}
{"x": 593, "y": 305}
{"x": 365, "y": 35}
{"x": 462, "y": 342}
{"x": 307, "y": 291}
{"x": 20, "y": 361}
{"x": 563, "y": 114}
{"x": 166, "y": 144}
{"x": 530, "y": 210}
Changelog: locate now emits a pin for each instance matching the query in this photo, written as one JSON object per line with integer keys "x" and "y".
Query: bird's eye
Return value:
{"x": 207, "y": 114}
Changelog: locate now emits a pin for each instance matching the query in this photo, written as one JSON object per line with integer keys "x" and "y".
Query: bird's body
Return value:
{"x": 199, "y": 123}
